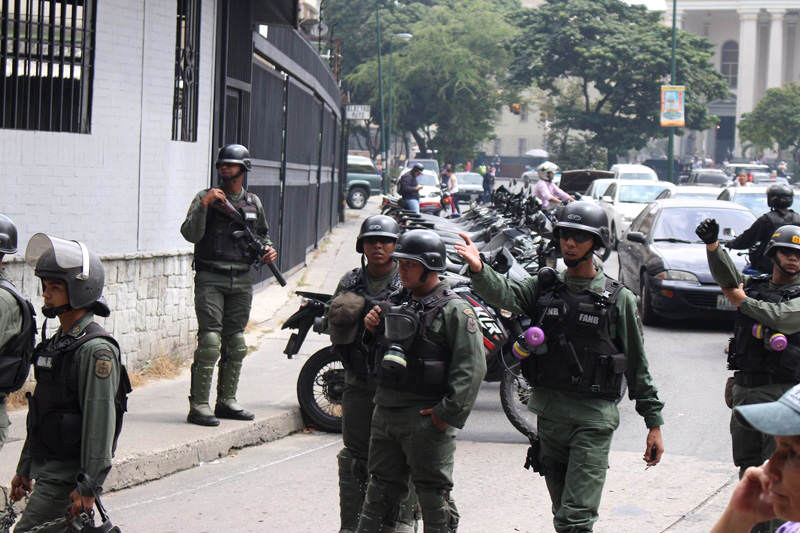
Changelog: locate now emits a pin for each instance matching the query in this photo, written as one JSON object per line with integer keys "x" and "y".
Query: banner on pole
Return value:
{"x": 357, "y": 112}
{"x": 672, "y": 108}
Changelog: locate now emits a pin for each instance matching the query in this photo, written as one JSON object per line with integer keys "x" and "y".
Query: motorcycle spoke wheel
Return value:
{"x": 515, "y": 391}
{"x": 319, "y": 391}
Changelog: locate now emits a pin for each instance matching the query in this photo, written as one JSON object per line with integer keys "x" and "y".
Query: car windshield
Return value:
{"x": 429, "y": 165}
{"x": 361, "y": 168}
{"x": 639, "y": 194}
{"x": 470, "y": 178}
{"x": 679, "y": 223}
{"x": 757, "y": 203}
{"x": 635, "y": 176}
{"x": 427, "y": 179}
{"x": 715, "y": 179}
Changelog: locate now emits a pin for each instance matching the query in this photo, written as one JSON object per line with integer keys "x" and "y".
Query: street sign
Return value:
{"x": 358, "y": 112}
{"x": 672, "y": 108}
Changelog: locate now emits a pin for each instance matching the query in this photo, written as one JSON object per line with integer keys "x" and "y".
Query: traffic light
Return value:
{"x": 515, "y": 109}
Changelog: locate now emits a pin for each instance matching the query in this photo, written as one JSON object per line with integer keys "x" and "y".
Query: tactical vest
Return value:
{"x": 354, "y": 357}
{"x": 757, "y": 258}
{"x": 218, "y": 243}
{"x": 55, "y": 420}
{"x": 579, "y": 353}
{"x": 428, "y": 357}
{"x": 16, "y": 353}
{"x": 750, "y": 354}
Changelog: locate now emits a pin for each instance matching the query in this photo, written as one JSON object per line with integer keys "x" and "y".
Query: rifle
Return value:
{"x": 86, "y": 484}
{"x": 254, "y": 246}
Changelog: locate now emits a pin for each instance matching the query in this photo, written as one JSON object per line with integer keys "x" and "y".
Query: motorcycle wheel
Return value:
{"x": 319, "y": 390}
{"x": 514, "y": 394}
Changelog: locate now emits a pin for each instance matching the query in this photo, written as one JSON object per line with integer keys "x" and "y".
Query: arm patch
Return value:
{"x": 103, "y": 363}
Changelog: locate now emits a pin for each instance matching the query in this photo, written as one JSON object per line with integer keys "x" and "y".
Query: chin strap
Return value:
{"x": 576, "y": 262}
{"x": 52, "y": 312}
{"x": 223, "y": 179}
{"x": 780, "y": 267}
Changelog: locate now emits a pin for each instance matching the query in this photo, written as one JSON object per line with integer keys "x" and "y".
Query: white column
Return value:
{"x": 678, "y": 18}
{"x": 748, "y": 45}
{"x": 775, "y": 52}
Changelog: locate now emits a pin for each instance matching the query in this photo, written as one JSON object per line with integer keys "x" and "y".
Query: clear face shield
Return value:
{"x": 68, "y": 255}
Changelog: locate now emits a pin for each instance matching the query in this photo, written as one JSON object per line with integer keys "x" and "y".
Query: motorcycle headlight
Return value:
{"x": 677, "y": 275}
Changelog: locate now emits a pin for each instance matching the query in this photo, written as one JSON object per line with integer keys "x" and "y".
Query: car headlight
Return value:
{"x": 677, "y": 275}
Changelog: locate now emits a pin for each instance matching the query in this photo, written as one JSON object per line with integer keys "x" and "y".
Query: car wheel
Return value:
{"x": 649, "y": 316}
{"x": 357, "y": 198}
{"x": 612, "y": 237}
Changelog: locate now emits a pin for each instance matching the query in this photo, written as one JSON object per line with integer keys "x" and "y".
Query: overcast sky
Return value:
{"x": 658, "y": 5}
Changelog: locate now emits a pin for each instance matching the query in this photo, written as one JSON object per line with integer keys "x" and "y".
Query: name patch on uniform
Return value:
{"x": 102, "y": 364}
{"x": 588, "y": 319}
{"x": 552, "y": 311}
{"x": 249, "y": 215}
{"x": 44, "y": 362}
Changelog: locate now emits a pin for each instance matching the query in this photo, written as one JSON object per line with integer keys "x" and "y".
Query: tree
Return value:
{"x": 775, "y": 121}
{"x": 619, "y": 55}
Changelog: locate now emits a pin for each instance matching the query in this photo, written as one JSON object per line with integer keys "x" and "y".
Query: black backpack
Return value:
{"x": 16, "y": 354}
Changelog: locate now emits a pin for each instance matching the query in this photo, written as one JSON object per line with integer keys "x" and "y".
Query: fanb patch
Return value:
{"x": 469, "y": 312}
{"x": 102, "y": 365}
{"x": 472, "y": 324}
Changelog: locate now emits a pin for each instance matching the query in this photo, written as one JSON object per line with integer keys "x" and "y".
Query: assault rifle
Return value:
{"x": 85, "y": 484}
{"x": 254, "y": 246}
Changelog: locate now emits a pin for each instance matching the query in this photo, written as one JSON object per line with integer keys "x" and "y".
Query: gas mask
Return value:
{"x": 401, "y": 324}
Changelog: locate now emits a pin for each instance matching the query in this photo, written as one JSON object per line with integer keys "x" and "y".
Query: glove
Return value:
{"x": 708, "y": 230}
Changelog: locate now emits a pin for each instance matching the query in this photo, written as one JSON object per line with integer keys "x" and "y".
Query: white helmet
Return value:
{"x": 547, "y": 170}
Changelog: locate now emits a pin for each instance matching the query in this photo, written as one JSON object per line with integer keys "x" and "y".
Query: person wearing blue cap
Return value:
{"x": 771, "y": 490}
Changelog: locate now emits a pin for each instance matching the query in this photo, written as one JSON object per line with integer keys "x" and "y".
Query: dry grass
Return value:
{"x": 157, "y": 368}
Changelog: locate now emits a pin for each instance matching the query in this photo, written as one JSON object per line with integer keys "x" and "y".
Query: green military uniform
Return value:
{"x": 403, "y": 441}
{"x": 575, "y": 429}
{"x": 223, "y": 294}
{"x": 94, "y": 374}
{"x": 10, "y": 325}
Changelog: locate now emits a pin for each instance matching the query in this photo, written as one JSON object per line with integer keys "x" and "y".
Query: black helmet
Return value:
{"x": 234, "y": 153}
{"x": 72, "y": 263}
{"x": 8, "y": 236}
{"x": 784, "y": 237}
{"x": 779, "y": 195}
{"x": 419, "y": 167}
{"x": 587, "y": 217}
{"x": 422, "y": 245}
{"x": 377, "y": 226}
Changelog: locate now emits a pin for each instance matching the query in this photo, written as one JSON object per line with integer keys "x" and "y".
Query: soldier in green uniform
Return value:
{"x": 17, "y": 323}
{"x": 429, "y": 362}
{"x": 765, "y": 351}
{"x": 358, "y": 291}
{"x": 223, "y": 286}
{"x": 75, "y": 412}
{"x": 592, "y": 346}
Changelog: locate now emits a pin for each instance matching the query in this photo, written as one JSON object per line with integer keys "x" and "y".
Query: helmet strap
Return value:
{"x": 223, "y": 179}
{"x": 52, "y": 312}
{"x": 780, "y": 266}
{"x": 424, "y": 275}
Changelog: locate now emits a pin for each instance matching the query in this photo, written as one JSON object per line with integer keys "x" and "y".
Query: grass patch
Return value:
{"x": 157, "y": 368}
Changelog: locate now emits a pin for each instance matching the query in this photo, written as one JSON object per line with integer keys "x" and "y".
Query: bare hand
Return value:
{"x": 373, "y": 319}
{"x": 270, "y": 255}
{"x": 441, "y": 425}
{"x": 653, "y": 439}
{"x": 469, "y": 252}
{"x": 735, "y": 295}
{"x": 79, "y": 504}
{"x": 213, "y": 195}
{"x": 20, "y": 487}
{"x": 419, "y": 188}
{"x": 749, "y": 503}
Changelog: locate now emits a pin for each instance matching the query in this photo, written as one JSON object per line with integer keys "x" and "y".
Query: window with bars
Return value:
{"x": 187, "y": 63}
{"x": 47, "y": 58}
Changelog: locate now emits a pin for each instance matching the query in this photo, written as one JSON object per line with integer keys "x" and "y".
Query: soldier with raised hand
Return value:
{"x": 223, "y": 286}
{"x": 427, "y": 352}
{"x": 592, "y": 346}
{"x": 75, "y": 412}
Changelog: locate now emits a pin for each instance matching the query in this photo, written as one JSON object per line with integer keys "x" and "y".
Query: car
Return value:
{"x": 577, "y": 181}
{"x": 689, "y": 191}
{"x": 764, "y": 178}
{"x": 623, "y": 200}
{"x": 428, "y": 164}
{"x": 363, "y": 180}
{"x": 732, "y": 169}
{"x": 624, "y": 171}
{"x": 430, "y": 196}
{"x": 663, "y": 261}
{"x": 709, "y": 178}
{"x": 753, "y": 197}
{"x": 596, "y": 189}
{"x": 470, "y": 186}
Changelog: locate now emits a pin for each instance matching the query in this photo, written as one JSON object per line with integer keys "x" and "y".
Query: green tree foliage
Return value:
{"x": 619, "y": 56}
{"x": 775, "y": 121}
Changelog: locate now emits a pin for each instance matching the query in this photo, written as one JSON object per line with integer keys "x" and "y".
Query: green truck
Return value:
{"x": 363, "y": 180}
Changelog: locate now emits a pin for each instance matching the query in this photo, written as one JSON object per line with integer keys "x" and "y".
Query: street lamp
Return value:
{"x": 380, "y": 94}
{"x": 403, "y": 37}
{"x": 671, "y": 145}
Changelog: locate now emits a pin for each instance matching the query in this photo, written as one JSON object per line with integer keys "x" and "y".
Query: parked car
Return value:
{"x": 577, "y": 181}
{"x": 623, "y": 200}
{"x": 429, "y": 164}
{"x": 470, "y": 186}
{"x": 664, "y": 262}
{"x": 363, "y": 180}
{"x": 624, "y": 171}
{"x": 596, "y": 189}
{"x": 689, "y": 191}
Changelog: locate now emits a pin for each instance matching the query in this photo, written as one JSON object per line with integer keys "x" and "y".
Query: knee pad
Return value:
{"x": 235, "y": 347}
{"x": 208, "y": 347}
{"x": 435, "y": 509}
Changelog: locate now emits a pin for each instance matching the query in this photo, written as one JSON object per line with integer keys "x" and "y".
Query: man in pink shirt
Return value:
{"x": 547, "y": 191}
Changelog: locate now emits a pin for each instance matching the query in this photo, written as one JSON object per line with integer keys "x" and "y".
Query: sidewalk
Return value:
{"x": 684, "y": 495}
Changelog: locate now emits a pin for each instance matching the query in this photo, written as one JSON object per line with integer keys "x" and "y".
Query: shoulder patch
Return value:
{"x": 469, "y": 312}
{"x": 472, "y": 324}
{"x": 102, "y": 363}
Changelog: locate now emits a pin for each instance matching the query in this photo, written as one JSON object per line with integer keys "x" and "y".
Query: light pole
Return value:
{"x": 380, "y": 95}
{"x": 671, "y": 145}
{"x": 403, "y": 37}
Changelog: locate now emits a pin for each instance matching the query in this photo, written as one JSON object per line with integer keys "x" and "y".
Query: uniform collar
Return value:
{"x": 596, "y": 285}
{"x": 77, "y": 328}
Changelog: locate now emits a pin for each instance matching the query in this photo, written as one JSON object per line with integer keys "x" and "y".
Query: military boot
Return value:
{"x": 206, "y": 354}
{"x": 230, "y": 366}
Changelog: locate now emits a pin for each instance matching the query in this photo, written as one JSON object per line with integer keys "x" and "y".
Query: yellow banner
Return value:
{"x": 672, "y": 108}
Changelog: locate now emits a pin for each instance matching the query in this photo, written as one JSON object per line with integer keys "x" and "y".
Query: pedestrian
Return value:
{"x": 592, "y": 347}
{"x": 17, "y": 328}
{"x": 488, "y": 184}
{"x": 766, "y": 306}
{"x": 779, "y": 199}
{"x": 429, "y": 362}
{"x": 771, "y": 490}
{"x": 782, "y": 169}
{"x": 741, "y": 179}
{"x": 358, "y": 291}
{"x": 223, "y": 284}
{"x": 409, "y": 188}
{"x": 75, "y": 412}
{"x": 444, "y": 175}
{"x": 545, "y": 190}
{"x": 452, "y": 190}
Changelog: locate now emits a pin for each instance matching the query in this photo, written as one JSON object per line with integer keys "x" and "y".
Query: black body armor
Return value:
{"x": 758, "y": 259}
{"x": 218, "y": 243}
{"x": 579, "y": 353}
{"x": 55, "y": 419}
{"x": 427, "y": 354}
{"x": 752, "y": 355}
{"x": 15, "y": 355}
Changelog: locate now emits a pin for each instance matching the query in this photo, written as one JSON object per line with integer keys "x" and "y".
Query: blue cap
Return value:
{"x": 781, "y": 417}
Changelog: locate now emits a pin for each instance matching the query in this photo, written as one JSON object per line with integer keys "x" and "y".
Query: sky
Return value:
{"x": 658, "y": 5}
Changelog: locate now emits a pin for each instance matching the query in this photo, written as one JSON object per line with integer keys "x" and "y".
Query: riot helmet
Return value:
{"x": 8, "y": 236}
{"x": 419, "y": 167}
{"x": 73, "y": 263}
{"x": 422, "y": 245}
{"x": 377, "y": 226}
{"x": 779, "y": 195}
{"x": 547, "y": 170}
{"x": 784, "y": 237}
{"x": 234, "y": 153}
{"x": 584, "y": 216}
